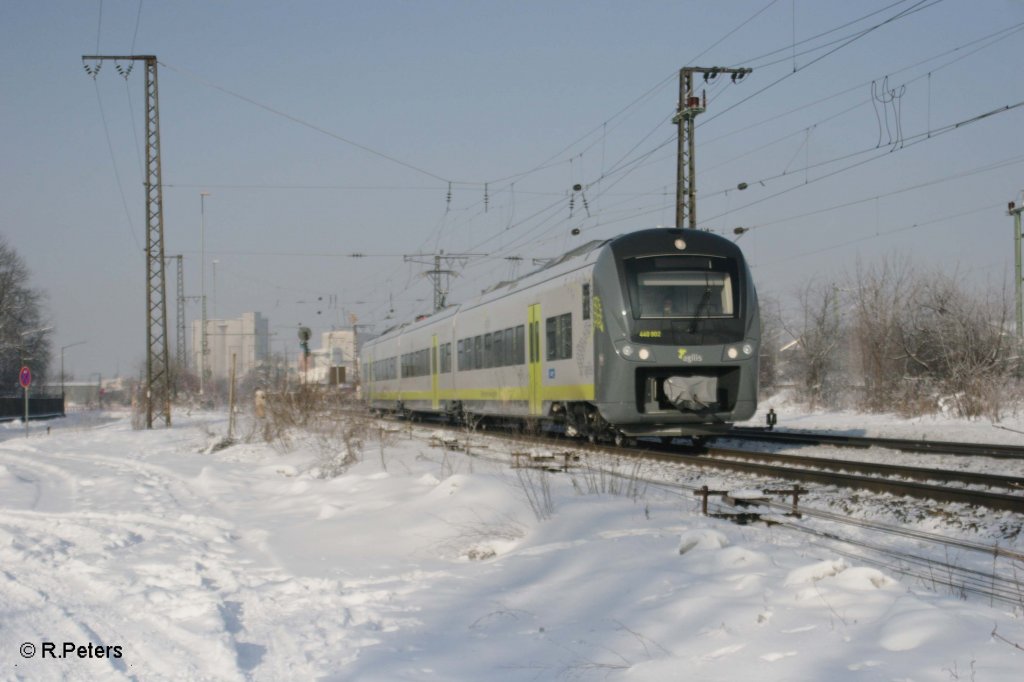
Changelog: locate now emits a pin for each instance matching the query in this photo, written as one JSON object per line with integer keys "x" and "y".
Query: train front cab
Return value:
{"x": 677, "y": 337}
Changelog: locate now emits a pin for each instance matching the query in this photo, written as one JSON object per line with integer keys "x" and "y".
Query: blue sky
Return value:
{"x": 513, "y": 103}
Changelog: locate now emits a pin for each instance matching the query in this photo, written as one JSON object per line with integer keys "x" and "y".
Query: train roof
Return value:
{"x": 567, "y": 262}
{"x": 575, "y": 259}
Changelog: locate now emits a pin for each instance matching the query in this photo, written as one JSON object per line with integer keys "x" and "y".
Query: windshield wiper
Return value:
{"x": 704, "y": 301}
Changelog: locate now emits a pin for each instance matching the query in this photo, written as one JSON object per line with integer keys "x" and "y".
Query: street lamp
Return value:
{"x": 215, "y": 261}
{"x": 204, "y": 348}
{"x": 63, "y": 407}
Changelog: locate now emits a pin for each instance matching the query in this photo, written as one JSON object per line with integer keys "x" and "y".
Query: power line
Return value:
{"x": 877, "y": 235}
{"x": 117, "y": 174}
{"x": 996, "y": 37}
{"x": 307, "y": 124}
{"x": 908, "y": 142}
{"x": 917, "y": 7}
{"x": 135, "y": 34}
{"x": 755, "y": 60}
{"x": 921, "y": 4}
{"x": 999, "y": 165}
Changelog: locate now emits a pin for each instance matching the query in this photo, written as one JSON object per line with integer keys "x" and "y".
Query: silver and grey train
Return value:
{"x": 652, "y": 333}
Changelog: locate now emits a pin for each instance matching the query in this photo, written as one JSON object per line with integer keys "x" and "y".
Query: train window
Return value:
{"x": 705, "y": 294}
{"x": 559, "y": 337}
{"x": 461, "y": 354}
{"x": 499, "y": 349}
{"x": 685, "y": 294}
{"x": 519, "y": 346}
{"x": 488, "y": 351}
{"x": 416, "y": 364}
{"x": 478, "y": 352}
{"x": 674, "y": 287}
{"x": 586, "y": 301}
{"x": 385, "y": 369}
{"x": 509, "y": 350}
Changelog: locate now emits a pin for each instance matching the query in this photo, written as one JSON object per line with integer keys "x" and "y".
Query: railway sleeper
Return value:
{"x": 747, "y": 499}
{"x": 554, "y": 462}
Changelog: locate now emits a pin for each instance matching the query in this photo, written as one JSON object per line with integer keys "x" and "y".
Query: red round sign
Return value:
{"x": 25, "y": 378}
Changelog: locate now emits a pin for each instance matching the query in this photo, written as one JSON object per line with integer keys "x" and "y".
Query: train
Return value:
{"x": 654, "y": 333}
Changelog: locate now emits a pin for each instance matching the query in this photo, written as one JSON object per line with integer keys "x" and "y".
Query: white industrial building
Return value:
{"x": 247, "y": 337}
{"x": 334, "y": 362}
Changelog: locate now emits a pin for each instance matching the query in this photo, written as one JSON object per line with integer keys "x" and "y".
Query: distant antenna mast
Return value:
{"x": 158, "y": 372}
{"x": 686, "y": 167}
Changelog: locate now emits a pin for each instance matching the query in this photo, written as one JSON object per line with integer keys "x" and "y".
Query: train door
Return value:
{"x": 435, "y": 398}
{"x": 367, "y": 379}
{"x": 533, "y": 343}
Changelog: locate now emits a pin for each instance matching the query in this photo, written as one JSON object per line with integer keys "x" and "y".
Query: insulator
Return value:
{"x": 572, "y": 203}
{"x": 448, "y": 203}
{"x": 586, "y": 206}
{"x": 487, "y": 199}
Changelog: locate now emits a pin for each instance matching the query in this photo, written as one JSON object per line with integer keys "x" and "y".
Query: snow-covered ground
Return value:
{"x": 419, "y": 563}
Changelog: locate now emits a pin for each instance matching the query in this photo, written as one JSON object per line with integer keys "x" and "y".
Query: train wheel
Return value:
{"x": 624, "y": 441}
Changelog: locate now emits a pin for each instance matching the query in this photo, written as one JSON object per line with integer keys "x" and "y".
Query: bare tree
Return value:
{"x": 816, "y": 360}
{"x": 956, "y": 345}
{"x": 880, "y": 297}
{"x": 22, "y": 337}
{"x": 771, "y": 341}
{"x": 924, "y": 342}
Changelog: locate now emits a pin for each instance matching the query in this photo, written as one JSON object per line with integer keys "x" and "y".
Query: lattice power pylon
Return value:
{"x": 158, "y": 371}
{"x": 440, "y": 276}
{"x": 181, "y": 357}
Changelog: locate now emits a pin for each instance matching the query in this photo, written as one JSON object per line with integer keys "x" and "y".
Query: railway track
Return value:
{"x": 1005, "y": 493}
{"x": 925, "y": 446}
{"x": 879, "y": 478}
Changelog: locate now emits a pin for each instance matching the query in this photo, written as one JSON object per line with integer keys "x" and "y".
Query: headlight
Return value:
{"x": 739, "y": 351}
{"x": 644, "y": 354}
{"x": 627, "y": 351}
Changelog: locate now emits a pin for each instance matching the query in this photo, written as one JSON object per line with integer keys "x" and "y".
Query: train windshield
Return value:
{"x": 685, "y": 288}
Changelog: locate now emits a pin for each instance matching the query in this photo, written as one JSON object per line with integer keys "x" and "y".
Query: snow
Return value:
{"x": 423, "y": 563}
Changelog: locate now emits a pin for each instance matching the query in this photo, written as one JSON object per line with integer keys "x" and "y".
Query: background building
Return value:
{"x": 334, "y": 362}
{"x": 248, "y": 337}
